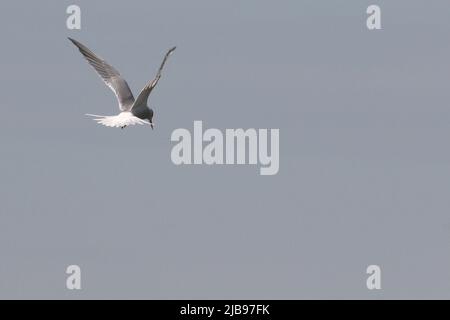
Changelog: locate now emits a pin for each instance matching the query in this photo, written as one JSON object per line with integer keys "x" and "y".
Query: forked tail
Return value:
{"x": 95, "y": 115}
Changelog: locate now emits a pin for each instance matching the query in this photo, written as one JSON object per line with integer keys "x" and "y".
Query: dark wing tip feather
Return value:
{"x": 75, "y": 42}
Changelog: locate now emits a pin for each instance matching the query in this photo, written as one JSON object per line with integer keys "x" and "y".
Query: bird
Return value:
{"x": 133, "y": 111}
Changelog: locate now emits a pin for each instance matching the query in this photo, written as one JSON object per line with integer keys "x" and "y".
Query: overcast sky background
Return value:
{"x": 364, "y": 178}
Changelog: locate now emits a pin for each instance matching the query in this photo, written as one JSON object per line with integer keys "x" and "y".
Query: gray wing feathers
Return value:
{"x": 110, "y": 76}
{"x": 143, "y": 96}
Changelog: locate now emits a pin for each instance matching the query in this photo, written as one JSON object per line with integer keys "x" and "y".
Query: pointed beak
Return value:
{"x": 151, "y": 125}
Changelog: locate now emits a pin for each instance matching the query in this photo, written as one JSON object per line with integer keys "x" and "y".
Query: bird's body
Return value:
{"x": 132, "y": 111}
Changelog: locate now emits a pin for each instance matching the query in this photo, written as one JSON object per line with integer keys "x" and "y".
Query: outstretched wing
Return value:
{"x": 143, "y": 96}
{"x": 110, "y": 76}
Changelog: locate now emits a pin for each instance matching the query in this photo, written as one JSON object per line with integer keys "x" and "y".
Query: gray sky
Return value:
{"x": 364, "y": 160}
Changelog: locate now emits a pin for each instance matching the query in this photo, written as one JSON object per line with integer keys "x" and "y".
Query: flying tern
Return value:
{"x": 132, "y": 111}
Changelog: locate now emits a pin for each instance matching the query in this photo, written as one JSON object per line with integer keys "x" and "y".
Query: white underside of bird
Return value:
{"x": 121, "y": 120}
